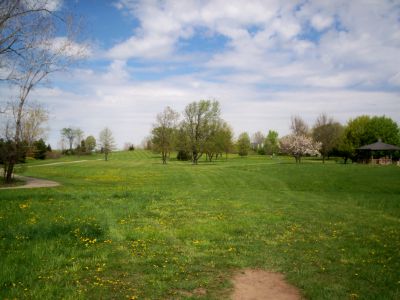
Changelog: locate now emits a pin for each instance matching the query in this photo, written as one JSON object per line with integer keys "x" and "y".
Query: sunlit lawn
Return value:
{"x": 133, "y": 228}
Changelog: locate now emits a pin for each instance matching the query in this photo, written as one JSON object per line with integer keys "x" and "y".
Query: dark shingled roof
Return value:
{"x": 379, "y": 146}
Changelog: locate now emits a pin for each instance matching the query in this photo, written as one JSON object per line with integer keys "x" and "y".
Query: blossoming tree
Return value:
{"x": 299, "y": 145}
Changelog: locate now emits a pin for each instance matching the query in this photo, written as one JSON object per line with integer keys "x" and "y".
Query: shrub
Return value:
{"x": 183, "y": 155}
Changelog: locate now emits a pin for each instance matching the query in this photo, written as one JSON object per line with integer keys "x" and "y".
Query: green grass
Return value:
{"x": 131, "y": 227}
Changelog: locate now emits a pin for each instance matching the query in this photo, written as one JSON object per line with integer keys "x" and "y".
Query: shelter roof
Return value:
{"x": 379, "y": 146}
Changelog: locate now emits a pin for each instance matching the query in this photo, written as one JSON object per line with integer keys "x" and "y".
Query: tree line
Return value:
{"x": 200, "y": 131}
{"x": 79, "y": 145}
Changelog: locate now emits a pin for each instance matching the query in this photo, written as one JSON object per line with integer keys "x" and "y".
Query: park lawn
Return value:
{"x": 132, "y": 228}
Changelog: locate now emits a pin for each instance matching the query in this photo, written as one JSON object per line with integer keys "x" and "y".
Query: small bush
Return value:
{"x": 183, "y": 155}
{"x": 40, "y": 149}
{"x": 261, "y": 151}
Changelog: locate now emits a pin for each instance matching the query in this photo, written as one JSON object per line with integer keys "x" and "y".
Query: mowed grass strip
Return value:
{"x": 131, "y": 228}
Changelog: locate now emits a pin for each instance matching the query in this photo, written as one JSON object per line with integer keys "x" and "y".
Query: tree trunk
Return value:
{"x": 9, "y": 172}
{"x": 13, "y": 157}
{"x": 195, "y": 157}
{"x": 210, "y": 157}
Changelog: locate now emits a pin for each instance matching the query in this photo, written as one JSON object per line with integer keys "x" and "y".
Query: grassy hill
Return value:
{"x": 132, "y": 228}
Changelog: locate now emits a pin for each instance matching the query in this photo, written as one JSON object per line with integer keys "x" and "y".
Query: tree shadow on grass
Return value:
{"x": 69, "y": 231}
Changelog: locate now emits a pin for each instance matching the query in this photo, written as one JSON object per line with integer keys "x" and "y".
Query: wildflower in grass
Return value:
{"x": 32, "y": 220}
{"x": 24, "y": 205}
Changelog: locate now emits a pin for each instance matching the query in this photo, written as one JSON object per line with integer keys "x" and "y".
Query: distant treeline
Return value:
{"x": 200, "y": 131}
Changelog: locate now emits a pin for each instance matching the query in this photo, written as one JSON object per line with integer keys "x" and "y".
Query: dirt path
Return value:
{"x": 263, "y": 285}
{"x": 31, "y": 183}
{"x": 63, "y": 163}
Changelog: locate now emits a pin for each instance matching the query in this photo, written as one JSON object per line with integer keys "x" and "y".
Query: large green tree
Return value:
{"x": 271, "y": 143}
{"x": 220, "y": 141}
{"x": 90, "y": 143}
{"x": 365, "y": 130}
{"x": 201, "y": 120}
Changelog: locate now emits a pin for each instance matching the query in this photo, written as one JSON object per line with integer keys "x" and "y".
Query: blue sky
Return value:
{"x": 263, "y": 60}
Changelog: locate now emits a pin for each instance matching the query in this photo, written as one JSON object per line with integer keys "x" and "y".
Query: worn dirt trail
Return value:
{"x": 31, "y": 183}
{"x": 263, "y": 285}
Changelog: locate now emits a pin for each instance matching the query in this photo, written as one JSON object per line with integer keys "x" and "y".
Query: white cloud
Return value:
{"x": 278, "y": 58}
{"x": 68, "y": 47}
{"x": 151, "y": 46}
{"x": 355, "y": 37}
{"x": 129, "y": 107}
{"x": 321, "y": 22}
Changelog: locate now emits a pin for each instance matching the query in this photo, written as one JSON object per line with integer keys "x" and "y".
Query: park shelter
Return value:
{"x": 378, "y": 148}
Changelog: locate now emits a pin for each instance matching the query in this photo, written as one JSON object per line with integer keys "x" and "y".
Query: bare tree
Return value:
{"x": 106, "y": 142}
{"x": 258, "y": 140}
{"x": 32, "y": 128}
{"x": 299, "y": 126}
{"x": 39, "y": 52}
{"x": 79, "y": 137}
{"x": 163, "y": 133}
{"x": 328, "y": 132}
{"x": 69, "y": 135}
{"x": 146, "y": 143}
{"x": 18, "y": 19}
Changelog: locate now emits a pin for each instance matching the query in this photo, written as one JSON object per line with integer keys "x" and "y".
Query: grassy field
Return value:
{"x": 131, "y": 228}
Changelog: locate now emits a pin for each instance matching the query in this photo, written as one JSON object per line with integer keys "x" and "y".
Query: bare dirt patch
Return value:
{"x": 263, "y": 285}
{"x": 31, "y": 183}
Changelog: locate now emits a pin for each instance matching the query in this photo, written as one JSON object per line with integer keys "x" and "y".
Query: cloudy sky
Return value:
{"x": 263, "y": 60}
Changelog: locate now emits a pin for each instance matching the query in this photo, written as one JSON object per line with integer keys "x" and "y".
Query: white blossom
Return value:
{"x": 299, "y": 145}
